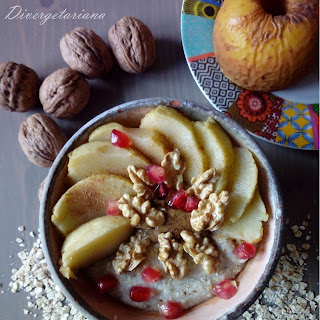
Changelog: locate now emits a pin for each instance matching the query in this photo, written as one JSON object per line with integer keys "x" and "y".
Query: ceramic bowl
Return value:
{"x": 252, "y": 279}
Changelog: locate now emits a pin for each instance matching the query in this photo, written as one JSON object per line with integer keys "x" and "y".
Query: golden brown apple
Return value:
{"x": 266, "y": 45}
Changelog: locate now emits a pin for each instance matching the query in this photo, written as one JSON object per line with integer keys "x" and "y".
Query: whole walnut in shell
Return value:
{"x": 84, "y": 51}
{"x": 64, "y": 93}
{"x": 41, "y": 139}
{"x": 132, "y": 44}
{"x": 19, "y": 87}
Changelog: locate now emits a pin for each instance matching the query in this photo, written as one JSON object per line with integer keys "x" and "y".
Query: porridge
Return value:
{"x": 161, "y": 217}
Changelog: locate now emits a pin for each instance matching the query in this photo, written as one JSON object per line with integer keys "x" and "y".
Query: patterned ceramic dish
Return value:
{"x": 272, "y": 117}
{"x": 252, "y": 279}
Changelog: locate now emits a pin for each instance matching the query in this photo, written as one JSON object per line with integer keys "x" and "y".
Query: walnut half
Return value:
{"x": 171, "y": 256}
{"x": 130, "y": 255}
{"x": 210, "y": 212}
{"x": 140, "y": 212}
{"x": 201, "y": 250}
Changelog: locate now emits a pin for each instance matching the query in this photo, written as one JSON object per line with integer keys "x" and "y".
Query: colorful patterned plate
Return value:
{"x": 288, "y": 123}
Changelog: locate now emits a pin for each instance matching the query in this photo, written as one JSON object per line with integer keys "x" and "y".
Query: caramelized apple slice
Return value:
{"x": 249, "y": 227}
{"x": 245, "y": 179}
{"x": 102, "y": 157}
{"x": 87, "y": 200}
{"x": 93, "y": 241}
{"x": 180, "y": 132}
{"x": 151, "y": 143}
{"x": 218, "y": 148}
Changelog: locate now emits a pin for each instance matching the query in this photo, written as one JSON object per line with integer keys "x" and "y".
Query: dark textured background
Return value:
{"x": 27, "y": 42}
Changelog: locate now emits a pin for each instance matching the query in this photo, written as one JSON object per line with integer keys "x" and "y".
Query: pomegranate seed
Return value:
{"x": 106, "y": 283}
{"x": 119, "y": 139}
{"x": 150, "y": 275}
{"x": 156, "y": 174}
{"x": 245, "y": 250}
{"x": 191, "y": 204}
{"x": 112, "y": 208}
{"x": 225, "y": 289}
{"x": 171, "y": 310}
{"x": 140, "y": 294}
{"x": 161, "y": 191}
{"x": 178, "y": 200}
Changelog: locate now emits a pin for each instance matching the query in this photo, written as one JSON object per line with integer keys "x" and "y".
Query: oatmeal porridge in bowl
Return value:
{"x": 161, "y": 208}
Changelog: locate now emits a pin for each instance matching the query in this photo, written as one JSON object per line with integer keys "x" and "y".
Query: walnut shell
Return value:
{"x": 64, "y": 93}
{"x": 41, "y": 139}
{"x": 132, "y": 44}
{"x": 84, "y": 51}
{"x": 19, "y": 87}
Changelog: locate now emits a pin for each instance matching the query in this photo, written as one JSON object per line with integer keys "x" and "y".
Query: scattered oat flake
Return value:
{"x": 19, "y": 240}
{"x": 21, "y": 228}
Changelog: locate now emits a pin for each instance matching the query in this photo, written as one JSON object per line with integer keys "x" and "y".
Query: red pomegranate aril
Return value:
{"x": 156, "y": 174}
{"x": 225, "y": 289}
{"x": 140, "y": 294}
{"x": 191, "y": 203}
{"x": 245, "y": 250}
{"x": 178, "y": 200}
{"x": 161, "y": 191}
{"x": 150, "y": 275}
{"x": 112, "y": 208}
{"x": 106, "y": 283}
{"x": 171, "y": 310}
{"x": 119, "y": 139}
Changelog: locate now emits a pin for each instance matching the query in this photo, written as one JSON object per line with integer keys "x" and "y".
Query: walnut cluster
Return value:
{"x": 210, "y": 212}
{"x": 201, "y": 250}
{"x": 130, "y": 255}
{"x": 171, "y": 256}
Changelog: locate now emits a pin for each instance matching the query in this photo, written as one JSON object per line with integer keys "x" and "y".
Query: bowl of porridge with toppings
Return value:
{"x": 161, "y": 209}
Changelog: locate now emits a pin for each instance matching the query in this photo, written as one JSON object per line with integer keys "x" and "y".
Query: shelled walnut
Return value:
{"x": 84, "y": 51}
{"x": 130, "y": 255}
{"x": 132, "y": 44}
{"x": 140, "y": 212}
{"x": 64, "y": 93}
{"x": 210, "y": 212}
{"x": 19, "y": 87}
{"x": 171, "y": 256}
{"x": 201, "y": 250}
{"x": 41, "y": 139}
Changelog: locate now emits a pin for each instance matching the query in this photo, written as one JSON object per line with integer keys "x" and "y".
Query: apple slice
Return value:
{"x": 218, "y": 148}
{"x": 87, "y": 199}
{"x": 245, "y": 179}
{"x": 102, "y": 157}
{"x": 149, "y": 142}
{"x": 92, "y": 241}
{"x": 180, "y": 132}
{"x": 249, "y": 227}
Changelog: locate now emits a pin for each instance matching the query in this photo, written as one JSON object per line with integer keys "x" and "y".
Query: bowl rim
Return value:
{"x": 74, "y": 298}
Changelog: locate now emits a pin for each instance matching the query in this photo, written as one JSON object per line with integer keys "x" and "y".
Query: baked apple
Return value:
{"x": 266, "y": 45}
